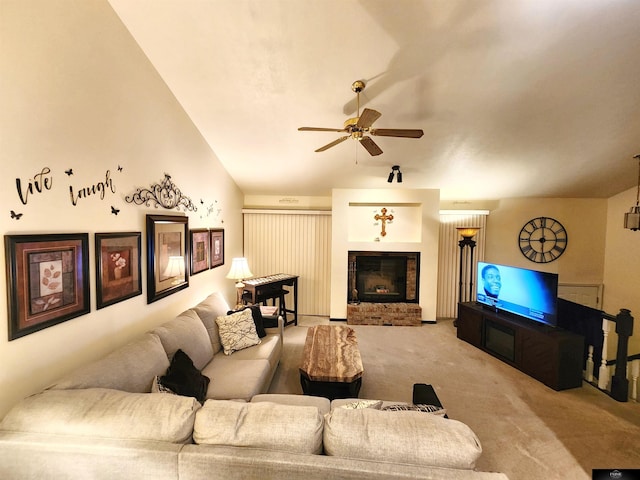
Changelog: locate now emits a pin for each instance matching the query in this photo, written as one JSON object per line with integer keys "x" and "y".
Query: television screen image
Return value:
{"x": 528, "y": 293}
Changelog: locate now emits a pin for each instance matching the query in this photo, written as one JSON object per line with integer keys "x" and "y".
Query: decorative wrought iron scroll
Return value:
{"x": 164, "y": 194}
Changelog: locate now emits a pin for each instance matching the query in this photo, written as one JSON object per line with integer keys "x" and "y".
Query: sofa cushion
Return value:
{"x": 208, "y": 310}
{"x": 405, "y": 437}
{"x": 237, "y": 331}
{"x": 294, "y": 429}
{"x": 321, "y": 403}
{"x": 186, "y": 332}
{"x": 105, "y": 413}
{"x": 257, "y": 318}
{"x": 130, "y": 368}
{"x": 377, "y": 404}
{"x": 184, "y": 378}
{"x": 270, "y": 348}
{"x": 237, "y": 379}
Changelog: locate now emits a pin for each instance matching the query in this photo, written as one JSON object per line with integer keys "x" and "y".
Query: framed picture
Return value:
{"x": 200, "y": 249}
{"x": 217, "y": 247}
{"x": 118, "y": 270}
{"x": 167, "y": 254}
{"x": 47, "y": 280}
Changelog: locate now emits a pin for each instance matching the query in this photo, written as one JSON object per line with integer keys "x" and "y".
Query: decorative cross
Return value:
{"x": 383, "y": 218}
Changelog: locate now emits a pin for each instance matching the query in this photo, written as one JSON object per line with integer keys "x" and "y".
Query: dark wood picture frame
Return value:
{"x": 47, "y": 280}
{"x": 200, "y": 250}
{"x": 217, "y": 247}
{"x": 167, "y": 255}
{"x": 118, "y": 267}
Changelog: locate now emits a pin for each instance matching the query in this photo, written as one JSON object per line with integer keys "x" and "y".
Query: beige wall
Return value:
{"x": 583, "y": 219}
{"x": 78, "y": 93}
{"x": 622, "y": 264}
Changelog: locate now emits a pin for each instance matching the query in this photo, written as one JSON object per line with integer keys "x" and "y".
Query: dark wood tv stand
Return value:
{"x": 551, "y": 355}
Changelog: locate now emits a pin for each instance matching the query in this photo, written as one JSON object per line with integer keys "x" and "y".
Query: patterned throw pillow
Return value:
{"x": 158, "y": 387}
{"x": 257, "y": 318}
{"x": 377, "y": 404}
{"x": 237, "y": 331}
{"x": 402, "y": 407}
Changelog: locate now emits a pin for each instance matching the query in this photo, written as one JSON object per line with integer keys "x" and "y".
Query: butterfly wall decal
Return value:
{"x": 115, "y": 210}
{"x": 15, "y": 215}
{"x": 69, "y": 172}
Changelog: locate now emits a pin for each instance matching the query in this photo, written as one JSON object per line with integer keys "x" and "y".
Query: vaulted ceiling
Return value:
{"x": 517, "y": 98}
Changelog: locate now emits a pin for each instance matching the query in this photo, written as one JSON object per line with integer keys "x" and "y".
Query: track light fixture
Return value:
{"x": 395, "y": 169}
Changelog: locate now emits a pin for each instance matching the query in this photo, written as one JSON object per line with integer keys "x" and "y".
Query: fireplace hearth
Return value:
{"x": 383, "y": 277}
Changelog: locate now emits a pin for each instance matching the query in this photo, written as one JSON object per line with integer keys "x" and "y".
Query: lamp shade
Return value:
{"x": 239, "y": 269}
{"x": 468, "y": 232}
{"x": 175, "y": 267}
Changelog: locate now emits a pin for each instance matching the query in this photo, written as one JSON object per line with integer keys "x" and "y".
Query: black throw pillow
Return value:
{"x": 184, "y": 378}
{"x": 257, "y": 319}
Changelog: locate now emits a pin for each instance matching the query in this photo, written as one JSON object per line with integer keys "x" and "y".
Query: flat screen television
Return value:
{"x": 528, "y": 293}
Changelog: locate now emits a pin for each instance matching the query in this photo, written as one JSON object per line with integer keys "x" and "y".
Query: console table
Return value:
{"x": 551, "y": 355}
{"x": 270, "y": 287}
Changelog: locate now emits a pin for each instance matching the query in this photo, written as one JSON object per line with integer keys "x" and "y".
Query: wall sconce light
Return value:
{"x": 395, "y": 169}
{"x": 239, "y": 271}
{"x": 632, "y": 218}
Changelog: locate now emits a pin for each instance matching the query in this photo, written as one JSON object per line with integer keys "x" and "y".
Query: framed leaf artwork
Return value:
{"x": 47, "y": 280}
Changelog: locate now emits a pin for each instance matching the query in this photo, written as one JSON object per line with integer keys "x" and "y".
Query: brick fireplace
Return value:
{"x": 383, "y": 288}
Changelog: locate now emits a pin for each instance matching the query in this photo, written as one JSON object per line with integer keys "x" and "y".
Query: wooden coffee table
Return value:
{"x": 331, "y": 364}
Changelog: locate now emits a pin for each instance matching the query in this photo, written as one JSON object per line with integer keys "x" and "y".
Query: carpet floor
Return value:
{"x": 527, "y": 430}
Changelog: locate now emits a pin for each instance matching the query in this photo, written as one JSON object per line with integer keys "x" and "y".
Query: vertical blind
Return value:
{"x": 293, "y": 242}
{"x": 299, "y": 243}
{"x": 449, "y": 257}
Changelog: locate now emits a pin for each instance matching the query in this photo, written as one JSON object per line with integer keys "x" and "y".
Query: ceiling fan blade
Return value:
{"x": 318, "y": 129}
{"x": 396, "y": 132}
{"x": 333, "y": 144}
{"x": 367, "y": 118}
{"x": 371, "y": 146}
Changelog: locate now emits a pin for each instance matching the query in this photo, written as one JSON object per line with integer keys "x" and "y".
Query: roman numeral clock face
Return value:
{"x": 542, "y": 239}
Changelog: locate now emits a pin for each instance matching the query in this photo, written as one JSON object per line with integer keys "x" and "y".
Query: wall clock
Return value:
{"x": 542, "y": 239}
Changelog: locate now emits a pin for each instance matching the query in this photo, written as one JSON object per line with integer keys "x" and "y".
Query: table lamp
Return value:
{"x": 175, "y": 269}
{"x": 239, "y": 271}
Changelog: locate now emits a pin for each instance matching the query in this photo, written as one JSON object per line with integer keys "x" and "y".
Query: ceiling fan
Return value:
{"x": 359, "y": 126}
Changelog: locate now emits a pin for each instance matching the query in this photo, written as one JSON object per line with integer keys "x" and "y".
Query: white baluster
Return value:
{"x": 635, "y": 372}
{"x": 603, "y": 371}
{"x": 588, "y": 375}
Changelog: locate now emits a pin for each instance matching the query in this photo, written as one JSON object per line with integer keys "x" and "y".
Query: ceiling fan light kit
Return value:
{"x": 632, "y": 218}
{"x": 358, "y": 127}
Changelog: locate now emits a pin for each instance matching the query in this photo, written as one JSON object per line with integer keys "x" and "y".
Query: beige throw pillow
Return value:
{"x": 237, "y": 331}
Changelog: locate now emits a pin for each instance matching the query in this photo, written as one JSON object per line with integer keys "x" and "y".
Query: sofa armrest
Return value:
{"x": 278, "y": 323}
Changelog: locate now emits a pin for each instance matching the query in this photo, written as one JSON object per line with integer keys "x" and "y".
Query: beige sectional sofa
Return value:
{"x": 103, "y": 422}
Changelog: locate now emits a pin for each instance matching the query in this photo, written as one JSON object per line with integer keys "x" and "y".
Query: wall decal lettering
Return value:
{"x": 99, "y": 188}
{"x": 41, "y": 181}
